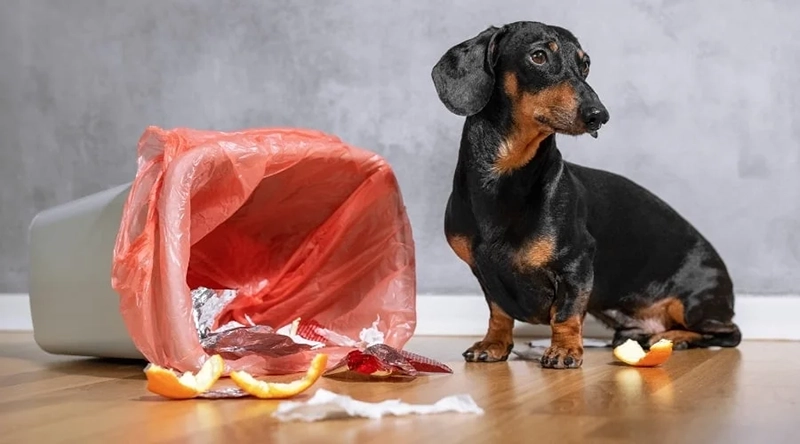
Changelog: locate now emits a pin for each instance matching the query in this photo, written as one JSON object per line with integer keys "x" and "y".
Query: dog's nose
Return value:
{"x": 594, "y": 117}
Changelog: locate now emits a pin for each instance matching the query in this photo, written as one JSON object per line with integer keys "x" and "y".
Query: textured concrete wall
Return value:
{"x": 703, "y": 96}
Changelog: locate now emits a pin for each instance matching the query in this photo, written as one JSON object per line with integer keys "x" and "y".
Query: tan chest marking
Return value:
{"x": 536, "y": 253}
{"x": 522, "y": 143}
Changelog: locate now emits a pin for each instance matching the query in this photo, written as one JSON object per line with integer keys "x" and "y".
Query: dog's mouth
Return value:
{"x": 568, "y": 125}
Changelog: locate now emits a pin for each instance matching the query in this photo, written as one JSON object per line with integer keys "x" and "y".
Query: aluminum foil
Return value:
{"x": 258, "y": 340}
{"x": 222, "y": 393}
{"x": 207, "y": 304}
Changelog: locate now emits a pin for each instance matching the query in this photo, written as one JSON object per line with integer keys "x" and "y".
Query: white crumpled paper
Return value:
{"x": 328, "y": 405}
{"x": 537, "y": 347}
{"x": 587, "y": 343}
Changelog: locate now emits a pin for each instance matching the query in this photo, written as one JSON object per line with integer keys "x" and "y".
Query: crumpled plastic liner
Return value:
{"x": 328, "y": 405}
{"x": 298, "y": 223}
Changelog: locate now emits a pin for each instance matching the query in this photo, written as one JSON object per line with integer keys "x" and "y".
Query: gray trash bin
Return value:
{"x": 74, "y": 309}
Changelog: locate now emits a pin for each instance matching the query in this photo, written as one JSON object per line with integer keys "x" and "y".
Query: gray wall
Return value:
{"x": 703, "y": 95}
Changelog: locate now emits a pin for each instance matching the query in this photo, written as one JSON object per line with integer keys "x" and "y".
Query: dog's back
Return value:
{"x": 647, "y": 254}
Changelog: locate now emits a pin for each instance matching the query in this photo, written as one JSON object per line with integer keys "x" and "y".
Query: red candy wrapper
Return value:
{"x": 383, "y": 361}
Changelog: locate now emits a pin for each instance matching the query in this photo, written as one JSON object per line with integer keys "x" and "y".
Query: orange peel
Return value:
{"x": 281, "y": 390}
{"x": 167, "y": 383}
{"x": 631, "y": 353}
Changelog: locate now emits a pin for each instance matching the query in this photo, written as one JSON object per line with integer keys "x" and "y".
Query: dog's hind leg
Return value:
{"x": 702, "y": 321}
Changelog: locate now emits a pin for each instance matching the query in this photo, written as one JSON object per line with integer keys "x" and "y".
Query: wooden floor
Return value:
{"x": 745, "y": 395}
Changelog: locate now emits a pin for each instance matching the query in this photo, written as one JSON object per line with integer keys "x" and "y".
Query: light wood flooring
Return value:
{"x": 746, "y": 395}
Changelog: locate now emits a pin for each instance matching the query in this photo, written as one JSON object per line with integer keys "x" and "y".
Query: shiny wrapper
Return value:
{"x": 207, "y": 304}
{"x": 224, "y": 393}
{"x": 258, "y": 340}
{"x": 382, "y": 361}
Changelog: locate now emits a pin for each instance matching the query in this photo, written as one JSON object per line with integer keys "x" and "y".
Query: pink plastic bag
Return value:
{"x": 297, "y": 222}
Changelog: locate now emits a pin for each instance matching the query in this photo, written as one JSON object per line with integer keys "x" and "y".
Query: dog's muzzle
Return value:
{"x": 594, "y": 116}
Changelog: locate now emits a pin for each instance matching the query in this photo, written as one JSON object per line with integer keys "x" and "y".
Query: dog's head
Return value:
{"x": 540, "y": 70}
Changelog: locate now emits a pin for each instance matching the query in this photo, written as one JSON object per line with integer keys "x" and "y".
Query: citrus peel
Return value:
{"x": 167, "y": 383}
{"x": 281, "y": 390}
{"x": 632, "y": 353}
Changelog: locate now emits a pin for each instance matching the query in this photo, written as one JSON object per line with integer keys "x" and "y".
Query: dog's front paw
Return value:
{"x": 488, "y": 351}
{"x": 562, "y": 357}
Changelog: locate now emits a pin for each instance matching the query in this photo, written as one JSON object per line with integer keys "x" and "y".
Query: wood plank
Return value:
{"x": 748, "y": 394}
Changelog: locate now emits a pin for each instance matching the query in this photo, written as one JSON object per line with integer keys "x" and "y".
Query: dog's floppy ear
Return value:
{"x": 464, "y": 76}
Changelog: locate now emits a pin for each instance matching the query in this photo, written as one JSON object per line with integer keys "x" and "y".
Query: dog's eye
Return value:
{"x": 539, "y": 57}
{"x": 585, "y": 66}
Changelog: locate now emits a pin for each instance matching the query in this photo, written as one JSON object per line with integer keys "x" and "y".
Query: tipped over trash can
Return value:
{"x": 296, "y": 222}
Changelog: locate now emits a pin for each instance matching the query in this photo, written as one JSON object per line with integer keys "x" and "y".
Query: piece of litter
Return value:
{"x": 328, "y": 405}
{"x": 372, "y": 335}
{"x": 382, "y": 361}
{"x": 335, "y": 338}
{"x": 587, "y": 343}
{"x": 530, "y": 354}
{"x": 224, "y": 393}
{"x": 207, "y": 304}
{"x": 245, "y": 341}
{"x": 291, "y": 331}
{"x": 538, "y": 346}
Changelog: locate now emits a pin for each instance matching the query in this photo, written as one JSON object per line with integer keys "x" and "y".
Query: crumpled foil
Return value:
{"x": 224, "y": 393}
{"x": 258, "y": 340}
{"x": 233, "y": 340}
{"x": 207, "y": 304}
{"x": 371, "y": 358}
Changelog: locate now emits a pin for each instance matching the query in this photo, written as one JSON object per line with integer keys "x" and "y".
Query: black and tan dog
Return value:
{"x": 548, "y": 240}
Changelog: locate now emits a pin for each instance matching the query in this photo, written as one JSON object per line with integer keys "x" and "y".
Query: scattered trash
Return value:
{"x": 632, "y": 353}
{"x": 281, "y": 390}
{"x": 328, "y": 405}
{"x": 587, "y": 343}
{"x": 538, "y": 346}
{"x": 207, "y": 304}
{"x": 530, "y": 354}
{"x": 382, "y": 361}
{"x": 169, "y": 384}
{"x": 165, "y": 382}
{"x": 370, "y": 357}
{"x": 246, "y": 341}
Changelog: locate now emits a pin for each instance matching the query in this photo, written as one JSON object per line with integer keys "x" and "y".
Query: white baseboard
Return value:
{"x": 15, "y": 312}
{"x": 759, "y": 317}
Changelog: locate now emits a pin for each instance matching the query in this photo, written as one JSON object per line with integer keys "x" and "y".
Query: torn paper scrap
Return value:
{"x": 538, "y": 346}
{"x": 587, "y": 343}
{"x": 328, "y": 405}
{"x": 529, "y": 354}
{"x": 372, "y": 335}
{"x": 291, "y": 331}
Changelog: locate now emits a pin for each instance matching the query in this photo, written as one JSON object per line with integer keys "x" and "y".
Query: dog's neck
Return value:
{"x": 505, "y": 200}
{"x": 506, "y": 158}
